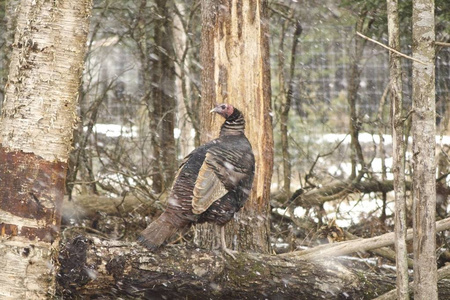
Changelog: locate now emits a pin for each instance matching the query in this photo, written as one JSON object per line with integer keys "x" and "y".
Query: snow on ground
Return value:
{"x": 346, "y": 212}
{"x": 114, "y": 130}
{"x": 365, "y": 137}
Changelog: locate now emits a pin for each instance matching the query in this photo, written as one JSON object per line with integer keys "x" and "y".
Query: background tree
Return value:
{"x": 286, "y": 94}
{"x": 38, "y": 116}
{"x": 424, "y": 145}
{"x": 398, "y": 149}
{"x": 162, "y": 110}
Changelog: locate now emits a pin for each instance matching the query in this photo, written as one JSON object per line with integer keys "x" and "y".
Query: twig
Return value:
{"x": 390, "y": 49}
{"x": 442, "y": 44}
{"x": 384, "y": 251}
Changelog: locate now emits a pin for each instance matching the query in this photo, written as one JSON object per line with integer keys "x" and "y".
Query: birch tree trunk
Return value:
{"x": 38, "y": 116}
{"x": 235, "y": 60}
{"x": 395, "y": 70}
{"x": 424, "y": 176}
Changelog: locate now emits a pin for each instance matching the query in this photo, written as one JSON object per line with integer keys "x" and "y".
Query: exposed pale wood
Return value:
{"x": 383, "y": 252}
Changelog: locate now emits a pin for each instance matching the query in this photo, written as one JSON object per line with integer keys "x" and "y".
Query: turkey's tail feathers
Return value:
{"x": 157, "y": 233}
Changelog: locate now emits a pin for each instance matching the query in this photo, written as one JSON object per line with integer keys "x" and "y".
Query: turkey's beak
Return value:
{"x": 214, "y": 110}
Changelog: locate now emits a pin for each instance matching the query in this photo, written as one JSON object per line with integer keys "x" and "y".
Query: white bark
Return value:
{"x": 42, "y": 89}
{"x": 26, "y": 269}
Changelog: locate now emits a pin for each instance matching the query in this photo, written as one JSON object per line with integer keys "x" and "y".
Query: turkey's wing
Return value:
{"x": 208, "y": 187}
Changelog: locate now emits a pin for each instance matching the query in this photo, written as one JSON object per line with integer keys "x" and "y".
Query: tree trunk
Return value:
{"x": 38, "y": 117}
{"x": 398, "y": 167}
{"x": 157, "y": 73}
{"x": 163, "y": 95}
{"x": 352, "y": 97}
{"x": 424, "y": 166}
{"x": 286, "y": 100}
{"x": 235, "y": 60}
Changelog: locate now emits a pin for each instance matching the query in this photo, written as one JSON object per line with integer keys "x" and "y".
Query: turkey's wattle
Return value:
{"x": 212, "y": 184}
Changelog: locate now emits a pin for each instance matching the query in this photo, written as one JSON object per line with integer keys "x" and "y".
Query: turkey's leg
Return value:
{"x": 224, "y": 244}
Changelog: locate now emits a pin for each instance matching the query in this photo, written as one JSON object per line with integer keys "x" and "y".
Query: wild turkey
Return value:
{"x": 212, "y": 184}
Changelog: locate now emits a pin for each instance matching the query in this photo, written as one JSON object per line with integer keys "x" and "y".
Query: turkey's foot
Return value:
{"x": 224, "y": 244}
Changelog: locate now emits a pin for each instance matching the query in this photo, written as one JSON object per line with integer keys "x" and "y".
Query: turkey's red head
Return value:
{"x": 225, "y": 110}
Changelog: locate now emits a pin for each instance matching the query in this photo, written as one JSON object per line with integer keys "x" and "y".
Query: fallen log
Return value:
{"x": 91, "y": 268}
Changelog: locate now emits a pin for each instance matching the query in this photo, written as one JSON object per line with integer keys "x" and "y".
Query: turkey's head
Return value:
{"x": 225, "y": 110}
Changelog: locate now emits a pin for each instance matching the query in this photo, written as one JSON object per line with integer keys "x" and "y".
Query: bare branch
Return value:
{"x": 343, "y": 248}
{"x": 390, "y": 49}
{"x": 442, "y": 44}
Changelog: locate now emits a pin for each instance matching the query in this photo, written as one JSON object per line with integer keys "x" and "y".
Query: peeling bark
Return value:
{"x": 38, "y": 116}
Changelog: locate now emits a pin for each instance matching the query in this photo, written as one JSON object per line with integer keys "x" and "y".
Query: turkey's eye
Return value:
{"x": 222, "y": 106}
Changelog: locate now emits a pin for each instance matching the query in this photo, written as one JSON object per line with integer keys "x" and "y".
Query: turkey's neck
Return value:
{"x": 233, "y": 125}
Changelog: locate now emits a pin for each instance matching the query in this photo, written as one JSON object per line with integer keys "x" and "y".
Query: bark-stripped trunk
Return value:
{"x": 38, "y": 117}
{"x": 235, "y": 60}
{"x": 424, "y": 131}
{"x": 395, "y": 69}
